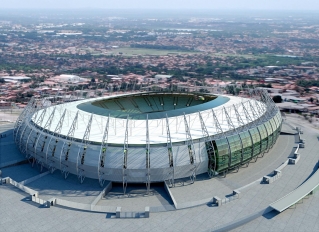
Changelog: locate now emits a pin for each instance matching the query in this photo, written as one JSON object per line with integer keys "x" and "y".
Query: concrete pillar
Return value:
{"x": 277, "y": 172}
{"x": 147, "y": 211}
{"x": 217, "y": 201}
{"x": 236, "y": 193}
{"x": 118, "y": 212}
{"x": 266, "y": 179}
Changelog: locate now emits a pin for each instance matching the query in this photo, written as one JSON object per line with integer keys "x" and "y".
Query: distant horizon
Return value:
{"x": 163, "y": 9}
{"x": 160, "y": 13}
{"x": 271, "y": 5}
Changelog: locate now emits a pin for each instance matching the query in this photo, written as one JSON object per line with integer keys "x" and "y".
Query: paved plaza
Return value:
{"x": 18, "y": 212}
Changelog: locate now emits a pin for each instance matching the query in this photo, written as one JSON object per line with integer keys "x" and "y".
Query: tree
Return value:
{"x": 277, "y": 99}
{"x": 311, "y": 100}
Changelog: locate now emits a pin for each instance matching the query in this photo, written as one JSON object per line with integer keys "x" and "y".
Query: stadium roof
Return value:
{"x": 157, "y": 127}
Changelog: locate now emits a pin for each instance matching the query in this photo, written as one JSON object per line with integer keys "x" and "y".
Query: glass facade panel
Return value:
{"x": 264, "y": 135}
{"x": 235, "y": 149}
{"x": 278, "y": 120}
{"x": 279, "y": 117}
{"x": 270, "y": 133}
{"x": 210, "y": 152}
{"x": 256, "y": 139}
{"x": 274, "y": 123}
{"x": 268, "y": 127}
{"x": 222, "y": 154}
{"x": 247, "y": 145}
{"x": 272, "y": 136}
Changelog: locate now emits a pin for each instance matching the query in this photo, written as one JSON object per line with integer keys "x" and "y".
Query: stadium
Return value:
{"x": 148, "y": 137}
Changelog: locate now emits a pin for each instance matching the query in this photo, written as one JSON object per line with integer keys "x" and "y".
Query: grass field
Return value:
{"x": 234, "y": 55}
{"x": 151, "y": 52}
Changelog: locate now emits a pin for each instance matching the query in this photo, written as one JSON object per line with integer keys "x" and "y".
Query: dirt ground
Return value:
{"x": 9, "y": 116}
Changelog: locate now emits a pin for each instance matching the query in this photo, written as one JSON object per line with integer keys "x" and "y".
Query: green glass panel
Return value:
{"x": 264, "y": 135}
{"x": 235, "y": 148}
{"x": 222, "y": 154}
{"x": 256, "y": 141}
{"x": 268, "y": 127}
{"x": 247, "y": 145}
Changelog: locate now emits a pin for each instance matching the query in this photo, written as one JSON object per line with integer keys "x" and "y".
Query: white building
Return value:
{"x": 160, "y": 77}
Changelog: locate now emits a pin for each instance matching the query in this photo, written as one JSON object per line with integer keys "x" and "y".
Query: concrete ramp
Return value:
{"x": 288, "y": 129}
{"x": 298, "y": 194}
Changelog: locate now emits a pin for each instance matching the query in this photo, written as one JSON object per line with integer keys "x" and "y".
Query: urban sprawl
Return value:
{"x": 83, "y": 55}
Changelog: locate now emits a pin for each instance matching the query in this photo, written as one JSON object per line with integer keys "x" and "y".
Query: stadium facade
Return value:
{"x": 148, "y": 137}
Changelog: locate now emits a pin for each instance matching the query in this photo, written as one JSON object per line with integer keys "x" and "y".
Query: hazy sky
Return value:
{"x": 166, "y": 4}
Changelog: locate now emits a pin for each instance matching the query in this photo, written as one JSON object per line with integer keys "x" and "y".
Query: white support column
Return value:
{"x": 191, "y": 150}
{"x": 34, "y": 138}
{"x": 22, "y": 146}
{"x": 64, "y": 157}
{"x": 82, "y": 151}
{"x": 209, "y": 147}
{"x": 56, "y": 134}
{"x": 125, "y": 154}
{"x": 22, "y": 117}
{"x": 171, "y": 177}
{"x": 103, "y": 150}
{"x": 148, "y": 152}
{"x": 42, "y": 140}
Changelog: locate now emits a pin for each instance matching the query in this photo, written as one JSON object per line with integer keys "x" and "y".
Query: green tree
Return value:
{"x": 277, "y": 99}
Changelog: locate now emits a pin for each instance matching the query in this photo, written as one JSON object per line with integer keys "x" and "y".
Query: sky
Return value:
{"x": 164, "y": 4}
